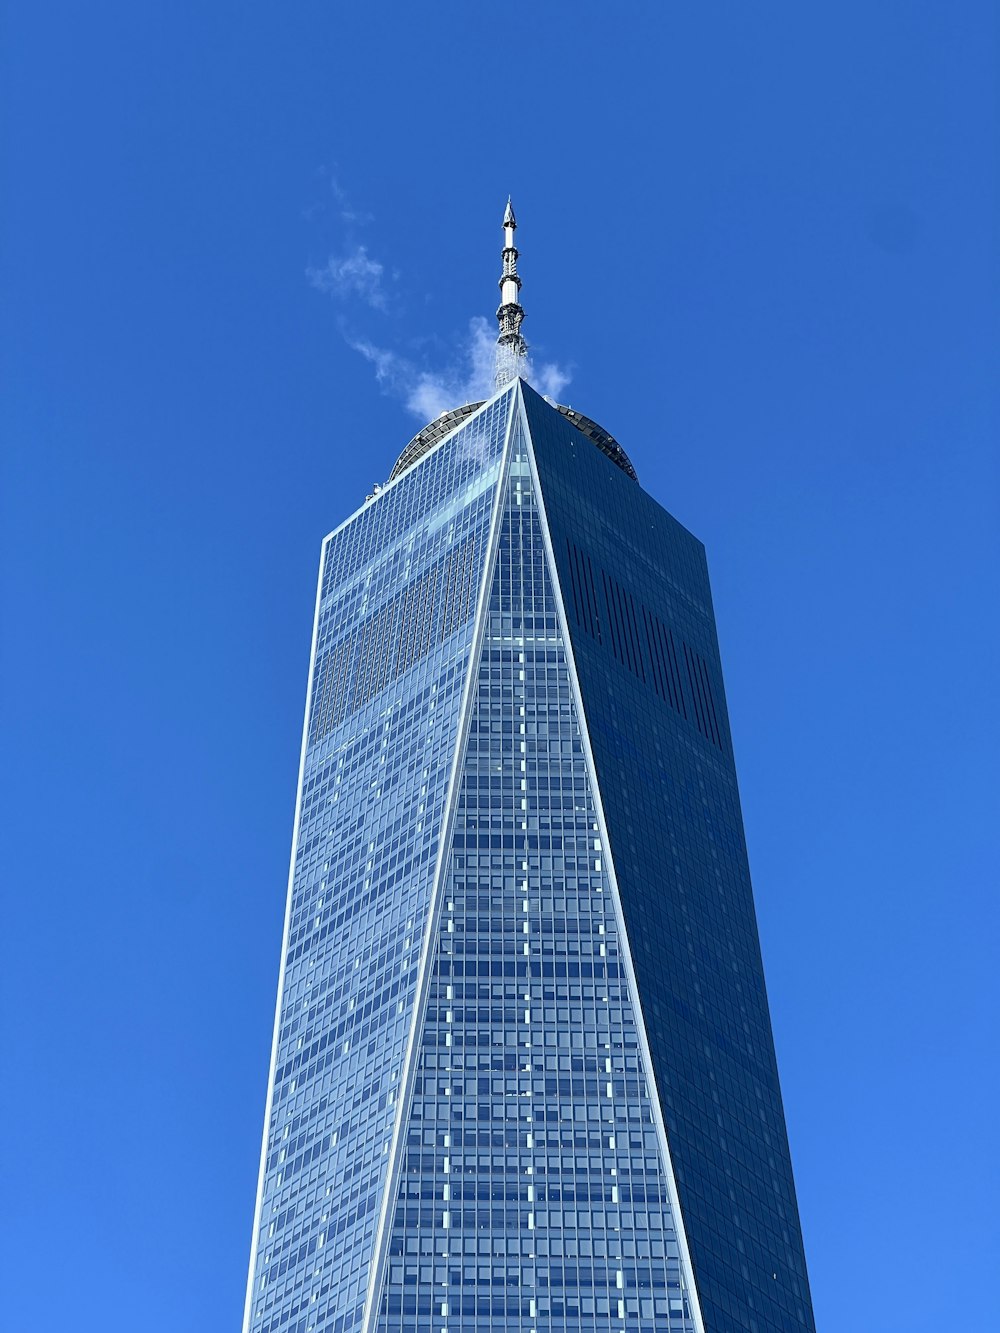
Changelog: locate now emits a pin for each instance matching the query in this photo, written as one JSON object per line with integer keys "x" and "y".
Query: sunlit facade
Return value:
{"x": 523, "y": 1076}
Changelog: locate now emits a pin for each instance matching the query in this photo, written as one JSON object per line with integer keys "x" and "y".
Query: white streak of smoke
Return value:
{"x": 428, "y": 393}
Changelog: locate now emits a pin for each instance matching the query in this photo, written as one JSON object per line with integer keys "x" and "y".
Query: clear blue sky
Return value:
{"x": 762, "y": 239}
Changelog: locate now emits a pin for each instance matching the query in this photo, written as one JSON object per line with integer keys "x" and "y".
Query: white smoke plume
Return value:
{"x": 428, "y": 393}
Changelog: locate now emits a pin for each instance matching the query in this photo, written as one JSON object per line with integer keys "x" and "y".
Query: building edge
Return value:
{"x": 269, "y": 1096}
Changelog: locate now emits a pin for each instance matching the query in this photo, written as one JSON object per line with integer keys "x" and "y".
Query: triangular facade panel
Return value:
{"x": 399, "y": 587}
{"x": 642, "y": 627}
{"x": 533, "y": 1192}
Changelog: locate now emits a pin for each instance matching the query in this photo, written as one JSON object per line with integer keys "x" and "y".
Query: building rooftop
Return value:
{"x": 443, "y": 425}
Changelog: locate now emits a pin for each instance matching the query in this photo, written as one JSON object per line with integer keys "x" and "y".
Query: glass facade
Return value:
{"x": 392, "y": 641}
{"x": 523, "y": 1074}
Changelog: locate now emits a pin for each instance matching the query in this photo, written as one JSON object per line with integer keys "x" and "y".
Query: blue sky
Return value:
{"x": 760, "y": 242}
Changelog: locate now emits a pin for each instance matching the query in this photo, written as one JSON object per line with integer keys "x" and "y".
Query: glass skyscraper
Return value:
{"x": 523, "y": 1076}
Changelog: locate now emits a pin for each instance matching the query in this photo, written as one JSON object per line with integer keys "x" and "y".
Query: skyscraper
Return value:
{"x": 523, "y": 1075}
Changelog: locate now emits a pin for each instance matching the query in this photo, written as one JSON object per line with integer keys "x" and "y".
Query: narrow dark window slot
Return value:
{"x": 661, "y": 634}
{"x": 703, "y": 685}
{"x": 655, "y": 665}
{"x": 622, "y": 626}
{"x": 695, "y": 696}
{"x": 623, "y": 618}
{"x": 615, "y": 620}
{"x": 571, "y": 553}
{"x": 711, "y": 703}
{"x": 677, "y": 672}
{"x": 634, "y": 629}
{"x": 701, "y": 696}
{"x": 634, "y": 663}
{"x": 592, "y": 594}
{"x": 580, "y": 593}
{"x": 612, "y": 623}
{"x": 585, "y": 596}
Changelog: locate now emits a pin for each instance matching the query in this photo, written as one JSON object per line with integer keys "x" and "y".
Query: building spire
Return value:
{"x": 512, "y": 350}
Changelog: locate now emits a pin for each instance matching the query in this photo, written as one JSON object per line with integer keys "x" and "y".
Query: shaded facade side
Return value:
{"x": 636, "y": 589}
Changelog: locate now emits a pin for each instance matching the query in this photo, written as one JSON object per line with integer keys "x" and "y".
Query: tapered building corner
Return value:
{"x": 522, "y": 1075}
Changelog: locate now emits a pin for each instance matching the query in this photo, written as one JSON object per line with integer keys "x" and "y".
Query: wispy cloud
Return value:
{"x": 427, "y": 393}
{"x": 353, "y": 273}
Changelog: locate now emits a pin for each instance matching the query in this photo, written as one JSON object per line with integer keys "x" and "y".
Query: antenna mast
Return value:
{"x": 512, "y": 350}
